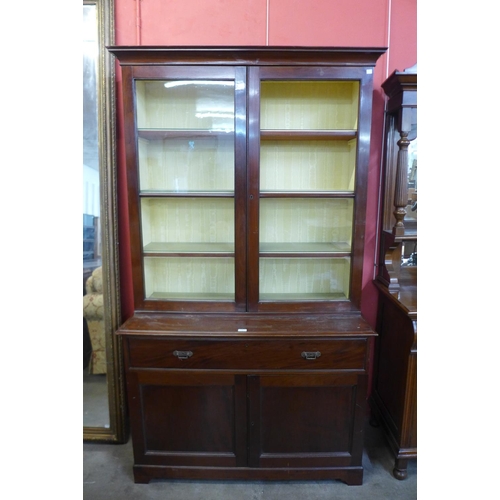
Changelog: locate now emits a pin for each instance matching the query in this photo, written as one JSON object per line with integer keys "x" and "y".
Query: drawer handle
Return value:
{"x": 183, "y": 354}
{"x": 311, "y": 354}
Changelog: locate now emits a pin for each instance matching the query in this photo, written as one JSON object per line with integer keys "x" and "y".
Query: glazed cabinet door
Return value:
{"x": 247, "y": 186}
{"x": 186, "y": 164}
{"x": 307, "y": 165}
{"x": 187, "y": 418}
{"x": 306, "y": 420}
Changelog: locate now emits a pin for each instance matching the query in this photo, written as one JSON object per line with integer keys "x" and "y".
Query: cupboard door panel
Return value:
{"x": 305, "y": 420}
{"x": 177, "y": 418}
{"x": 189, "y": 419}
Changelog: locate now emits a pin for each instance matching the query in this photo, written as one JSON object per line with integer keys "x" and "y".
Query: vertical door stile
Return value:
{"x": 240, "y": 192}
{"x": 253, "y": 172}
{"x": 241, "y": 420}
{"x": 132, "y": 169}
{"x": 362, "y": 161}
{"x": 253, "y": 423}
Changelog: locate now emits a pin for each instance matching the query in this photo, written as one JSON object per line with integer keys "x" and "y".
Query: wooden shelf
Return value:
{"x": 295, "y": 135}
{"x": 407, "y": 294}
{"x": 198, "y": 249}
{"x": 328, "y": 249}
{"x": 300, "y": 297}
{"x": 186, "y": 194}
{"x": 307, "y": 194}
{"x": 225, "y": 297}
{"x": 160, "y": 134}
{"x": 409, "y": 235}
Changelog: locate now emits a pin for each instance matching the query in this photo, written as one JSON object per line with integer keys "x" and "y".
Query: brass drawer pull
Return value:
{"x": 183, "y": 354}
{"x": 311, "y": 354}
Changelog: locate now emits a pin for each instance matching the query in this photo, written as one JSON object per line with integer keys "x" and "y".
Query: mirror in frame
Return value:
{"x": 103, "y": 390}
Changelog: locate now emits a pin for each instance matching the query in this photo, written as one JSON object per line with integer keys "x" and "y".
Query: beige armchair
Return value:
{"x": 93, "y": 312}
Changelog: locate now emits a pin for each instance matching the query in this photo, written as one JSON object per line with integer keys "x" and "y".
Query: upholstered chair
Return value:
{"x": 93, "y": 312}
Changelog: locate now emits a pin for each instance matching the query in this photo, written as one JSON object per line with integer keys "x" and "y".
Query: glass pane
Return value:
{"x": 307, "y": 165}
{"x": 411, "y": 209}
{"x": 185, "y": 105}
{"x": 409, "y": 254}
{"x": 198, "y": 278}
{"x": 186, "y": 145}
{"x": 95, "y": 390}
{"x": 187, "y": 225}
{"x": 309, "y": 105}
{"x": 308, "y": 145}
{"x": 304, "y": 279}
{"x": 186, "y": 164}
{"x": 305, "y": 225}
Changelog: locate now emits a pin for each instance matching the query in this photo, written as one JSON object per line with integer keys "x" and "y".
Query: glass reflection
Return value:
{"x": 95, "y": 392}
{"x": 411, "y": 209}
{"x": 185, "y": 105}
{"x": 409, "y": 247}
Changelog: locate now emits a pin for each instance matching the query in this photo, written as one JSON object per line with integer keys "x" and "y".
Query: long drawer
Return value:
{"x": 303, "y": 354}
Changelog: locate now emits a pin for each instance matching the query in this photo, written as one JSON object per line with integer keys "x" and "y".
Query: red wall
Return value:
{"x": 354, "y": 23}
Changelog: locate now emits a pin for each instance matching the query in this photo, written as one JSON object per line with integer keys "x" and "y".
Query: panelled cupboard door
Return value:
{"x": 270, "y": 421}
{"x": 305, "y": 420}
{"x": 232, "y": 407}
{"x": 188, "y": 418}
{"x": 247, "y": 186}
